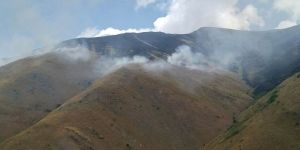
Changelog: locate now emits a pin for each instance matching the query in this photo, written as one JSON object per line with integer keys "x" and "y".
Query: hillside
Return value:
{"x": 272, "y": 123}
{"x": 262, "y": 58}
{"x": 139, "y": 108}
{"x": 77, "y": 97}
{"x": 32, "y": 87}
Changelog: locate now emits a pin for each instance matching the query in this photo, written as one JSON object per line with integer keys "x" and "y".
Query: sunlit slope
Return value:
{"x": 272, "y": 123}
{"x": 137, "y": 108}
{"x": 30, "y": 88}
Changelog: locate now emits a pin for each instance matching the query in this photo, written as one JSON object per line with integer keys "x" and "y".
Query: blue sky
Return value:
{"x": 29, "y": 24}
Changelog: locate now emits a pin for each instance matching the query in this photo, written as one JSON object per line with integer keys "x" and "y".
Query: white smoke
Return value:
{"x": 184, "y": 57}
{"x": 103, "y": 65}
{"x": 157, "y": 66}
{"x": 78, "y": 53}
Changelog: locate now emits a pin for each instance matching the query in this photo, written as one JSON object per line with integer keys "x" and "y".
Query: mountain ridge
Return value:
{"x": 255, "y": 55}
{"x": 134, "y": 108}
{"x": 49, "y": 87}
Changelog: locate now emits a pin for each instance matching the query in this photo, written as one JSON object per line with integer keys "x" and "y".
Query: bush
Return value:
{"x": 273, "y": 97}
{"x": 233, "y": 130}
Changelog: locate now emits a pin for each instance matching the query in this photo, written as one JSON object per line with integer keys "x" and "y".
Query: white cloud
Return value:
{"x": 292, "y": 7}
{"x": 286, "y": 24}
{"x": 289, "y": 6}
{"x": 144, "y": 3}
{"x": 163, "y": 5}
{"x": 94, "y": 32}
{"x": 185, "y": 16}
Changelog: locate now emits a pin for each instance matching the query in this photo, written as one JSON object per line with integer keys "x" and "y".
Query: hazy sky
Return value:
{"x": 29, "y": 24}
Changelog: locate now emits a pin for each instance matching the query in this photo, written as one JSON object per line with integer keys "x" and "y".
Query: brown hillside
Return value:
{"x": 137, "y": 109}
{"x": 31, "y": 88}
{"x": 272, "y": 123}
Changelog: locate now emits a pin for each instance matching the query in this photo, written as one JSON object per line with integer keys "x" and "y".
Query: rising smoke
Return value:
{"x": 103, "y": 65}
{"x": 184, "y": 57}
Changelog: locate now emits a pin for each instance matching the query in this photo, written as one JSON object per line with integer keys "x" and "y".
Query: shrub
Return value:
{"x": 233, "y": 130}
{"x": 273, "y": 97}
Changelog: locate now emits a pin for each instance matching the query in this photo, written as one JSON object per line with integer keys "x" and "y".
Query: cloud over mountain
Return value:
{"x": 94, "y": 32}
{"x": 291, "y": 7}
{"x": 186, "y": 16}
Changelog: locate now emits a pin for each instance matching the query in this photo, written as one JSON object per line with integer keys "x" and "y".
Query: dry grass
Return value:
{"x": 135, "y": 109}
{"x": 271, "y": 123}
{"x": 33, "y": 87}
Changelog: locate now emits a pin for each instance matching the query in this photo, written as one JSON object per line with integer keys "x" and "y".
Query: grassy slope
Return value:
{"x": 272, "y": 123}
{"x": 30, "y": 88}
{"x": 137, "y": 109}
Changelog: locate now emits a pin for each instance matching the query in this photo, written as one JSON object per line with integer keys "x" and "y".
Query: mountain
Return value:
{"x": 260, "y": 57}
{"x": 271, "y": 123}
{"x": 134, "y": 108}
{"x": 144, "y": 91}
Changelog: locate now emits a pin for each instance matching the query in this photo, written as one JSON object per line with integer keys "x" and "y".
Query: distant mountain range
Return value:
{"x": 211, "y": 89}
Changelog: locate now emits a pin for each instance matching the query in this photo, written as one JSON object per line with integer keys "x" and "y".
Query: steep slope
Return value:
{"x": 264, "y": 59}
{"x": 31, "y": 88}
{"x": 272, "y": 123}
{"x": 145, "y": 44}
{"x": 138, "y": 108}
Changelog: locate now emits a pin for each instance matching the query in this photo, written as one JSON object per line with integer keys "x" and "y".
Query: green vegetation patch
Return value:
{"x": 233, "y": 130}
{"x": 298, "y": 76}
{"x": 273, "y": 97}
{"x": 239, "y": 124}
{"x": 259, "y": 95}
